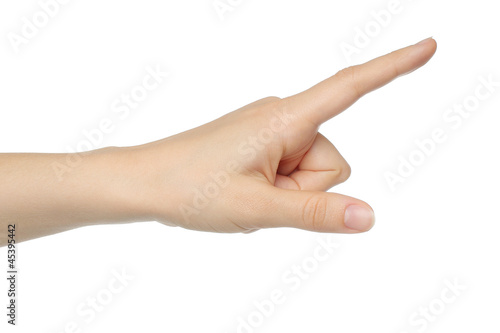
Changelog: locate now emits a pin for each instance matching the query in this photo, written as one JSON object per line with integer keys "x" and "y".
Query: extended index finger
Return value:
{"x": 335, "y": 94}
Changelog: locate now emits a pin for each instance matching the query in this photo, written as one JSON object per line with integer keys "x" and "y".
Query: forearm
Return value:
{"x": 105, "y": 186}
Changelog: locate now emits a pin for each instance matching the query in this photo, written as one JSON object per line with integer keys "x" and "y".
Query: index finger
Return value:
{"x": 335, "y": 94}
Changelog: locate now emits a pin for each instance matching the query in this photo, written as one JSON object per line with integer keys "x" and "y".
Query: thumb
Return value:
{"x": 314, "y": 211}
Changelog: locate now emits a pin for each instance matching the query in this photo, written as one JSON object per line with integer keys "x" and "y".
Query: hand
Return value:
{"x": 262, "y": 166}
{"x": 265, "y": 165}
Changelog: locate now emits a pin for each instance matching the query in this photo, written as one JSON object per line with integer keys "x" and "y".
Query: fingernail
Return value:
{"x": 359, "y": 218}
{"x": 424, "y": 41}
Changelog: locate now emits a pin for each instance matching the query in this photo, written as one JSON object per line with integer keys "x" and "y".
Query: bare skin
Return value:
{"x": 262, "y": 166}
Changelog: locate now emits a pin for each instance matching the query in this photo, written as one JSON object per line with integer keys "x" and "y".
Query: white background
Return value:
{"x": 441, "y": 224}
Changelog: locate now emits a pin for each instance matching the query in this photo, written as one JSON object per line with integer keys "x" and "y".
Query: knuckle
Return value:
{"x": 271, "y": 99}
{"x": 280, "y": 108}
{"x": 280, "y": 103}
{"x": 345, "y": 72}
{"x": 271, "y": 104}
{"x": 349, "y": 76}
{"x": 315, "y": 212}
{"x": 344, "y": 172}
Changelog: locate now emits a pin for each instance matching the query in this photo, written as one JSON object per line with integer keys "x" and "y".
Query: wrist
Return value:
{"x": 121, "y": 190}
{"x": 144, "y": 184}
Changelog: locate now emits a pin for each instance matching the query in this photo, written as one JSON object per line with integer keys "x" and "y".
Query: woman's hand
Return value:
{"x": 265, "y": 165}
{"x": 262, "y": 166}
